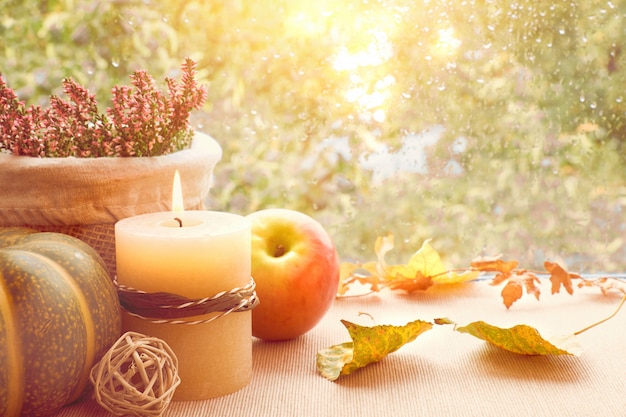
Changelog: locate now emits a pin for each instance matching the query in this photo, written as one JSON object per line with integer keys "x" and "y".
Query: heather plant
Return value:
{"x": 141, "y": 122}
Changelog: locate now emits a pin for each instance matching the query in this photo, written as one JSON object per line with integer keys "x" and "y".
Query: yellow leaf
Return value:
{"x": 369, "y": 345}
{"x": 456, "y": 278}
{"x": 349, "y": 273}
{"x": 423, "y": 269}
{"x": 383, "y": 245}
{"x": 426, "y": 261}
{"x": 416, "y": 275}
{"x": 521, "y": 339}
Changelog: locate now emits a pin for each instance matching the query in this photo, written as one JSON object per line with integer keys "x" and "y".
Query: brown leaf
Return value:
{"x": 511, "y": 292}
{"x": 493, "y": 264}
{"x": 521, "y": 339}
{"x": 419, "y": 283}
{"x": 443, "y": 321}
{"x": 558, "y": 277}
{"x": 500, "y": 278}
{"x": 530, "y": 281}
{"x": 353, "y": 273}
{"x": 605, "y": 284}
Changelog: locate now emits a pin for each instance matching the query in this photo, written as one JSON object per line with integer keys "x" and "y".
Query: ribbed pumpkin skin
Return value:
{"x": 59, "y": 313}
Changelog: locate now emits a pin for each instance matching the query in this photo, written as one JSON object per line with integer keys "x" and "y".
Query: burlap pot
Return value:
{"x": 84, "y": 197}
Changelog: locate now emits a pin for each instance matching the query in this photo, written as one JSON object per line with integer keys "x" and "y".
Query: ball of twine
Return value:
{"x": 137, "y": 376}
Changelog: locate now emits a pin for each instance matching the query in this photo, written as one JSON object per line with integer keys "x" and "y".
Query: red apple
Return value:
{"x": 296, "y": 269}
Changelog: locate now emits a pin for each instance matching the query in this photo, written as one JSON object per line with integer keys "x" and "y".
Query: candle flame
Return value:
{"x": 177, "y": 194}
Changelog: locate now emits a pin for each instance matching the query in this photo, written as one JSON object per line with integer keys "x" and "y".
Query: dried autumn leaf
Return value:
{"x": 511, "y": 292}
{"x": 369, "y": 345}
{"x": 453, "y": 277}
{"x": 605, "y": 284}
{"x": 520, "y": 339}
{"x": 417, "y": 283}
{"x": 424, "y": 269}
{"x": 383, "y": 245}
{"x": 558, "y": 277}
{"x": 500, "y": 278}
{"x": 426, "y": 261}
{"x": 349, "y": 274}
{"x": 441, "y": 321}
{"x": 415, "y": 275}
{"x": 493, "y": 264}
{"x": 518, "y": 280}
{"x": 530, "y": 281}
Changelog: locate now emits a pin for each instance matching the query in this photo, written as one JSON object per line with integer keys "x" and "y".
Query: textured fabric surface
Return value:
{"x": 443, "y": 372}
{"x": 83, "y": 191}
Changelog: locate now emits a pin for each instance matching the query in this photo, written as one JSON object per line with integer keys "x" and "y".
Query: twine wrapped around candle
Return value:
{"x": 137, "y": 376}
{"x": 163, "y": 307}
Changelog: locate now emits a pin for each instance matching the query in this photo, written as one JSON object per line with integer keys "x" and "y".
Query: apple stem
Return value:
{"x": 280, "y": 251}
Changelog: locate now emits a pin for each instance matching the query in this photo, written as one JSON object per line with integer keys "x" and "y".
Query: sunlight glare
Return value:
{"x": 378, "y": 52}
{"x": 307, "y": 24}
{"x": 448, "y": 42}
{"x": 363, "y": 47}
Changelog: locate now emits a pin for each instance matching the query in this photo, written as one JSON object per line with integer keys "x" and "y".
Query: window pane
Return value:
{"x": 488, "y": 126}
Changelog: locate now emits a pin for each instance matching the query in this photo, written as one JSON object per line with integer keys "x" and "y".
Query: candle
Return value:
{"x": 199, "y": 255}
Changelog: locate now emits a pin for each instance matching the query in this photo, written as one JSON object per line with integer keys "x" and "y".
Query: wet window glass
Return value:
{"x": 493, "y": 126}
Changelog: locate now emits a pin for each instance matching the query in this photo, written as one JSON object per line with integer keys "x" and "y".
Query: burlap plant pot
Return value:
{"x": 84, "y": 197}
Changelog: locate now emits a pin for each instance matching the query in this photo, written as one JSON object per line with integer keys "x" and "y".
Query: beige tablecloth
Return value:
{"x": 443, "y": 372}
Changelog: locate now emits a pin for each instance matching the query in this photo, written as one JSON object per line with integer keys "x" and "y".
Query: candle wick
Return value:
{"x": 180, "y": 222}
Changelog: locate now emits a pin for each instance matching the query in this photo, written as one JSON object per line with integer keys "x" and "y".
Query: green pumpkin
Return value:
{"x": 59, "y": 314}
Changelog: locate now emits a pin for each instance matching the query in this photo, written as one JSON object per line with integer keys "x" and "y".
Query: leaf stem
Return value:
{"x": 355, "y": 295}
{"x": 604, "y": 319}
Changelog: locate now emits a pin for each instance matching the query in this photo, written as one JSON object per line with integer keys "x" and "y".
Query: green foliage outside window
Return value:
{"x": 518, "y": 108}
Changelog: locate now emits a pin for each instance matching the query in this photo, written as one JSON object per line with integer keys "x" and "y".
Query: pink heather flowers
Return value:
{"x": 142, "y": 122}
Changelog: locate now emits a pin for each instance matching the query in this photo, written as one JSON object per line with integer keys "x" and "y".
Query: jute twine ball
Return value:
{"x": 137, "y": 376}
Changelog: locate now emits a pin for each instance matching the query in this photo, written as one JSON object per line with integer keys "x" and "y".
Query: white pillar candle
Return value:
{"x": 209, "y": 254}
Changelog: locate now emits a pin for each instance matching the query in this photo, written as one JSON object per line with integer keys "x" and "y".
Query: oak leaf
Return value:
{"x": 560, "y": 277}
{"x": 511, "y": 292}
{"x": 513, "y": 289}
{"x": 518, "y": 280}
{"x": 369, "y": 345}
{"x": 605, "y": 284}
{"x": 521, "y": 339}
